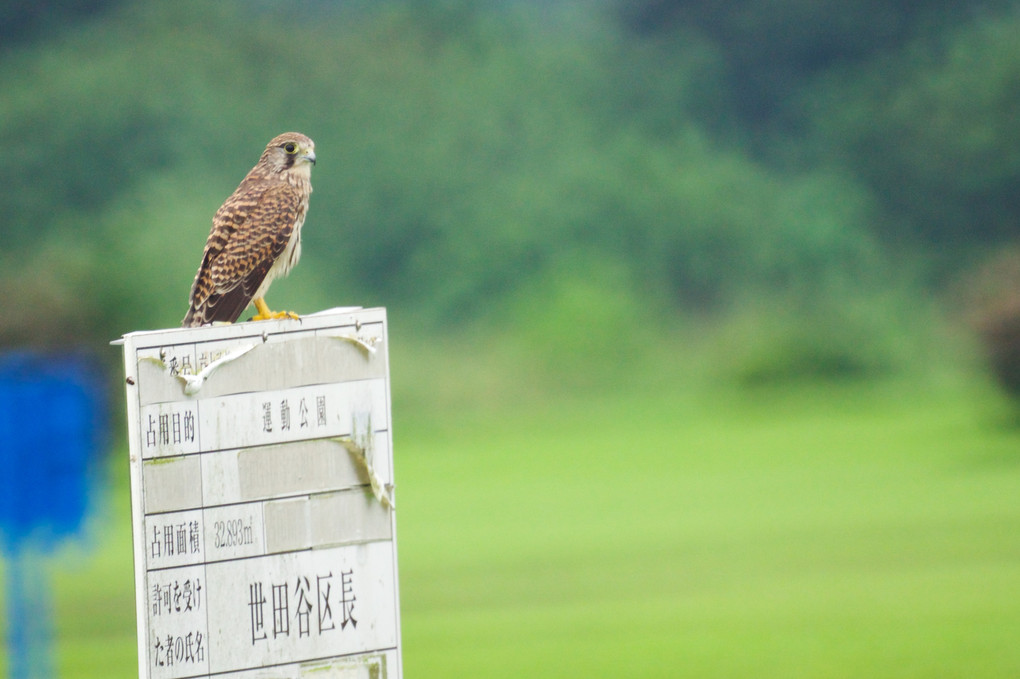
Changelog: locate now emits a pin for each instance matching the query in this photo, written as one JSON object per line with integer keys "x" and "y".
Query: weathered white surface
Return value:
{"x": 261, "y": 547}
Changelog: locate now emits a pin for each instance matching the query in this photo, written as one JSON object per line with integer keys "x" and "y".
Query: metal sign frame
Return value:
{"x": 262, "y": 501}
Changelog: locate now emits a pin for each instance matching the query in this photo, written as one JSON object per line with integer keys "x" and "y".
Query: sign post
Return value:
{"x": 262, "y": 499}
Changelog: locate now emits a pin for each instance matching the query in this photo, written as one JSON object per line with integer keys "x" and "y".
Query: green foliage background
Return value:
{"x": 481, "y": 161}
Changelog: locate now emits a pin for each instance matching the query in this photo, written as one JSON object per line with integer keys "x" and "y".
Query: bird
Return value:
{"x": 255, "y": 236}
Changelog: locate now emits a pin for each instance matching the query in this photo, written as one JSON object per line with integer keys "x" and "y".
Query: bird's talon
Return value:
{"x": 276, "y": 315}
{"x": 264, "y": 314}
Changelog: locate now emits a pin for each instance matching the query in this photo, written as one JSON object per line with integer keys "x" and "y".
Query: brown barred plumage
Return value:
{"x": 256, "y": 235}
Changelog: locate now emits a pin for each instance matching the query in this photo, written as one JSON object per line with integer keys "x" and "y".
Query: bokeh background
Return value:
{"x": 705, "y": 316}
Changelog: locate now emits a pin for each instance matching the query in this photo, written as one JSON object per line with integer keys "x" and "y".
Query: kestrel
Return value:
{"x": 256, "y": 235}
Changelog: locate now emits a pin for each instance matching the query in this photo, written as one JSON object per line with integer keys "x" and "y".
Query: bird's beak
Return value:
{"x": 310, "y": 157}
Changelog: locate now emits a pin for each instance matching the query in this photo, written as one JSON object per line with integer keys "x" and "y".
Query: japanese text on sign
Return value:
{"x": 255, "y": 496}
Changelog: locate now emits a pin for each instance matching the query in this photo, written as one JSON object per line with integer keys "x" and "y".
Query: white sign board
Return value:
{"x": 262, "y": 499}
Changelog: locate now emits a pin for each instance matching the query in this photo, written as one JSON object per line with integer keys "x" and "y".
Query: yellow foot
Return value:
{"x": 276, "y": 315}
{"x": 264, "y": 314}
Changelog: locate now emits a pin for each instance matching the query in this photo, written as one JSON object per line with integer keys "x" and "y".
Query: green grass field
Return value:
{"x": 867, "y": 530}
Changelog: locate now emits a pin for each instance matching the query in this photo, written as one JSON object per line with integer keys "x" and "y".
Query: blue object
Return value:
{"x": 52, "y": 419}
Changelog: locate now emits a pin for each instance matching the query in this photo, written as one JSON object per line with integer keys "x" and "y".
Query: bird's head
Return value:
{"x": 289, "y": 151}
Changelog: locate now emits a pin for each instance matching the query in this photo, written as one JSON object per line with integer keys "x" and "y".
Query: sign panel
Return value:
{"x": 262, "y": 499}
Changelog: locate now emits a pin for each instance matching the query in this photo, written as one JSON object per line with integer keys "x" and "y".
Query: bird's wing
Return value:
{"x": 250, "y": 231}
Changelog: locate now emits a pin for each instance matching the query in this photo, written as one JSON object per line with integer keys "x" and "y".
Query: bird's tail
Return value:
{"x": 193, "y": 319}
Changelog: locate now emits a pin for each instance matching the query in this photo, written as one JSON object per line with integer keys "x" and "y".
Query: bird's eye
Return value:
{"x": 290, "y": 147}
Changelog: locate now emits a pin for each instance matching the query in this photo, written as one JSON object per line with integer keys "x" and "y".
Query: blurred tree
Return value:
{"x": 25, "y": 20}
{"x": 990, "y": 303}
{"x": 917, "y": 101}
{"x": 933, "y": 132}
{"x": 773, "y": 49}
